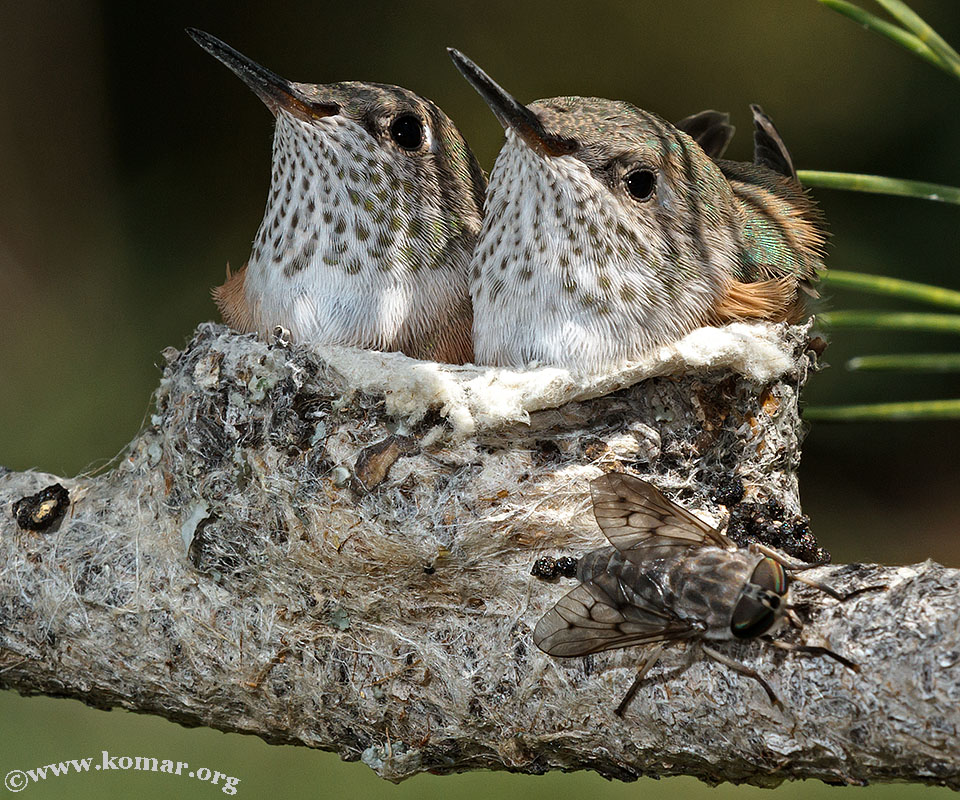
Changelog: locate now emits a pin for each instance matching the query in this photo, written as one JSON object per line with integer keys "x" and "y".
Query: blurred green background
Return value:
{"x": 133, "y": 167}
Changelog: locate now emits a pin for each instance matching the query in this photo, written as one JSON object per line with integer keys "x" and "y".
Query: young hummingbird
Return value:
{"x": 609, "y": 231}
{"x": 374, "y": 210}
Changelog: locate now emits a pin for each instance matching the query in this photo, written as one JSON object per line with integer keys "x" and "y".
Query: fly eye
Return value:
{"x": 407, "y": 131}
{"x": 759, "y": 607}
{"x": 751, "y": 618}
{"x": 640, "y": 183}
{"x": 769, "y": 575}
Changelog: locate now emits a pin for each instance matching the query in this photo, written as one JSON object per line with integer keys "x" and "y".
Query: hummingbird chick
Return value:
{"x": 374, "y": 210}
{"x": 608, "y": 231}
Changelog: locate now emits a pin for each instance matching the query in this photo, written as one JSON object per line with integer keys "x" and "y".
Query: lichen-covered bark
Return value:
{"x": 283, "y": 553}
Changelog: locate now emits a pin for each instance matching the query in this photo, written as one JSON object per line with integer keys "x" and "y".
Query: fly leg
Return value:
{"x": 794, "y": 567}
{"x": 791, "y": 564}
{"x": 834, "y": 593}
{"x": 822, "y": 587}
{"x": 736, "y": 666}
{"x": 645, "y": 666}
{"x": 813, "y": 650}
{"x": 801, "y": 566}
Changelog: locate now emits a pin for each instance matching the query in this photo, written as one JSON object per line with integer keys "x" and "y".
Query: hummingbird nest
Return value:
{"x": 447, "y": 464}
{"x": 333, "y": 547}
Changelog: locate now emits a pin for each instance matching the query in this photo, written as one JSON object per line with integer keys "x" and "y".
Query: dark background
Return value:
{"x": 133, "y": 167}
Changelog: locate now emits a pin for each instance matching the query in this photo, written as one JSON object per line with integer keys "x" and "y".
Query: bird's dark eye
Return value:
{"x": 407, "y": 131}
{"x": 640, "y": 183}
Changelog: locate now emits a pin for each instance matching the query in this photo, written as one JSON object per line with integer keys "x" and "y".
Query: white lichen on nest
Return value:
{"x": 487, "y": 397}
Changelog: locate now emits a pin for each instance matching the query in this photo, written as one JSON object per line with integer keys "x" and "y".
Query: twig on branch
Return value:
{"x": 334, "y": 548}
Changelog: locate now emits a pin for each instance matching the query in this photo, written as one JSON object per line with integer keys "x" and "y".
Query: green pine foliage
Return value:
{"x": 909, "y": 31}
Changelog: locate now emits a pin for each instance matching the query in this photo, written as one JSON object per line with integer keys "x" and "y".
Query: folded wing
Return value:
{"x": 643, "y": 524}
{"x": 589, "y": 619}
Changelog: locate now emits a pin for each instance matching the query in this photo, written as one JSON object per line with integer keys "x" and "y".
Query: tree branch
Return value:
{"x": 333, "y": 549}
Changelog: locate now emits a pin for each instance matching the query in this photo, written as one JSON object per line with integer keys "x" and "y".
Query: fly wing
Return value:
{"x": 643, "y": 524}
{"x": 589, "y": 619}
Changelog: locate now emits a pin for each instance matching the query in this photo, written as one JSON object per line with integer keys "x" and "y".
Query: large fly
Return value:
{"x": 671, "y": 577}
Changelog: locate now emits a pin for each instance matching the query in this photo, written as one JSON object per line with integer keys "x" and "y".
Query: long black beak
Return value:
{"x": 276, "y": 92}
{"x": 512, "y": 114}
